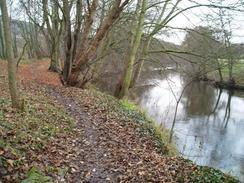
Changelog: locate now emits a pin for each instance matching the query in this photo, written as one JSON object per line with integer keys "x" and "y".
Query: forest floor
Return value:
{"x": 74, "y": 135}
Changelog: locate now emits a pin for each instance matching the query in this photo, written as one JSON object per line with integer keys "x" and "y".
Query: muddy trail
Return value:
{"x": 102, "y": 147}
{"x": 89, "y": 158}
{"x": 87, "y": 161}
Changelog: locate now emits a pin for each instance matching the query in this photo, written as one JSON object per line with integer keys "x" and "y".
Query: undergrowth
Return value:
{"x": 160, "y": 134}
{"x": 205, "y": 174}
{"x": 128, "y": 110}
{"x": 27, "y": 132}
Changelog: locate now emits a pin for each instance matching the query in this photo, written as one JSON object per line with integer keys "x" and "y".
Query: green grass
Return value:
{"x": 34, "y": 175}
{"x": 238, "y": 71}
{"x": 204, "y": 174}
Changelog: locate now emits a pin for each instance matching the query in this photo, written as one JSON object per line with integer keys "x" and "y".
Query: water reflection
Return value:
{"x": 197, "y": 99}
{"x": 210, "y": 123}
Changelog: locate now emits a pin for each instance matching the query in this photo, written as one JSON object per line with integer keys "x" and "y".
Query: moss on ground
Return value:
{"x": 34, "y": 175}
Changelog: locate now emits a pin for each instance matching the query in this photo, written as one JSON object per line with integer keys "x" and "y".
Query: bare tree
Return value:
{"x": 16, "y": 103}
{"x": 45, "y": 15}
{"x": 71, "y": 40}
{"x": 90, "y": 40}
{"x": 165, "y": 12}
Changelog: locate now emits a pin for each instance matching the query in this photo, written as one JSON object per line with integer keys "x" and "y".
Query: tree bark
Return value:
{"x": 9, "y": 55}
{"x": 2, "y": 54}
{"x": 53, "y": 28}
{"x": 70, "y": 41}
{"x": 55, "y": 36}
{"x": 15, "y": 46}
{"x": 136, "y": 44}
{"x": 87, "y": 50}
{"x": 141, "y": 61}
{"x": 67, "y": 41}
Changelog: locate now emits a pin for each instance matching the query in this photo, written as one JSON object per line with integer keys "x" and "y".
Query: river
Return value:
{"x": 209, "y": 128}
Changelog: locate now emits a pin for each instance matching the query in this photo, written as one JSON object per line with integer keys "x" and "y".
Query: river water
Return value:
{"x": 209, "y": 128}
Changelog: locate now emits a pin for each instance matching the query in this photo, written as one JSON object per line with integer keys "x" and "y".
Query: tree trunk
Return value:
{"x": 87, "y": 49}
{"x": 36, "y": 44}
{"x": 54, "y": 64}
{"x": 15, "y": 47}
{"x": 230, "y": 67}
{"x": 2, "y": 51}
{"x": 140, "y": 63}
{"x": 67, "y": 42}
{"x": 71, "y": 42}
{"x": 9, "y": 55}
{"x": 136, "y": 44}
{"x": 220, "y": 74}
{"x": 54, "y": 31}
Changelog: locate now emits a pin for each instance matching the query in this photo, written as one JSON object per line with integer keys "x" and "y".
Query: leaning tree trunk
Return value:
{"x": 73, "y": 79}
{"x": 140, "y": 63}
{"x": 136, "y": 44}
{"x": 9, "y": 55}
{"x": 88, "y": 50}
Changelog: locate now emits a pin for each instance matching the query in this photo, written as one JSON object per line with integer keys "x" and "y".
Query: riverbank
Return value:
{"x": 228, "y": 85}
{"x": 236, "y": 84}
{"x": 95, "y": 137}
{"x": 224, "y": 84}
